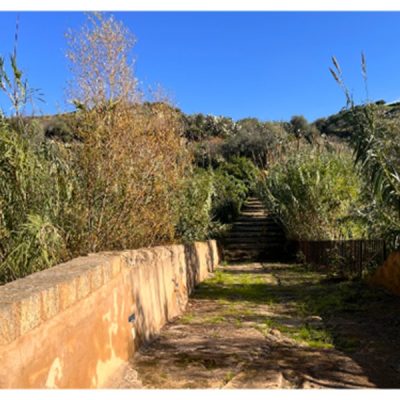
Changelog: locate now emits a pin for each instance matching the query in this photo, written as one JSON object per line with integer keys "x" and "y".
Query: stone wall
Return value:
{"x": 74, "y": 325}
{"x": 388, "y": 275}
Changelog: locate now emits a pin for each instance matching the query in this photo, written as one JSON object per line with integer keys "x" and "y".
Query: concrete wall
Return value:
{"x": 68, "y": 327}
{"x": 388, "y": 275}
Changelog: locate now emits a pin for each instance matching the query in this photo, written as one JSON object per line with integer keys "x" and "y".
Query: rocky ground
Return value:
{"x": 274, "y": 326}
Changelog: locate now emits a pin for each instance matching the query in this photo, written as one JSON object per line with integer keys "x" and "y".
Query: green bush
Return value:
{"x": 194, "y": 208}
{"x": 377, "y": 151}
{"x": 374, "y": 132}
{"x": 315, "y": 192}
{"x": 213, "y": 198}
{"x": 255, "y": 140}
{"x": 32, "y": 198}
{"x": 229, "y": 195}
{"x": 198, "y": 127}
{"x": 243, "y": 169}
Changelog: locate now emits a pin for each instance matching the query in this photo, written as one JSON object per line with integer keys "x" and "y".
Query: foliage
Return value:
{"x": 299, "y": 125}
{"x": 255, "y": 140}
{"x": 261, "y": 142}
{"x": 300, "y": 128}
{"x": 233, "y": 181}
{"x": 33, "y": 195}
{"x": 194, "y": 219}
{"x": 377, "y": 151}
{"x": 314, "y": 193}
{"x": 60, "y": 128}
{"x": 243, "y": 169}
{"x": 131, "y": 162}
{"x": 375, "y": 132}
{"x": 213, "y": 198}
{"x": 229, "y": 195}
{"x": 198, "y": 127}
{"x": 34, "y": 192}
{"x": 112, "y": 184}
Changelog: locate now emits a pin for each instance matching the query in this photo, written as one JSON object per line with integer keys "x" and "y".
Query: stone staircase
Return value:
{"x": 255, "y": 235}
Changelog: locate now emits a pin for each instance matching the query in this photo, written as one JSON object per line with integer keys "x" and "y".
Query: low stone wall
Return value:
{"x": 74, "y": 325}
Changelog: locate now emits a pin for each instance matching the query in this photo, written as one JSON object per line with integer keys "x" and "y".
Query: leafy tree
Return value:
{"x": 299, "y": 125}
{"x": 255, "y": 140}
{"x": 199, "y": 127}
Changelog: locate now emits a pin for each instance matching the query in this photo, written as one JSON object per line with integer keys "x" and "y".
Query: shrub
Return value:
{"x": 229, "y": 195}
{"x": 255, "y": 140}
{"x": 377, "y": 151}
{"x": 194, "y": 207}
{"x": 33, "y": 196}
{"x": 314, "y": 192}
{"x": 213, "y": 198}
{"x": 131, "y": 162}
{"x": 375, "y": 130}
{"x": 198, "y": 127}
{"x": 243, "y": 169}
{"x": 59, "y": 129}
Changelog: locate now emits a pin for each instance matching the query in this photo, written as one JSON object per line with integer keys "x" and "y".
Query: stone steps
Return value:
{"x": 255, "y": 235}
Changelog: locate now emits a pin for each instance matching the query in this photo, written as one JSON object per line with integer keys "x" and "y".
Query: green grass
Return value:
{"x": 349, "y": 344}
{"x": 303, "y": 292}
{"x": 216, "y": 319}
{"x": 228, "y": 377}
{"x": 228, "y": 287}
{"x": 332, "y": 298}
{"x": 187, "y": 318}
{"x": 303, "y": 333}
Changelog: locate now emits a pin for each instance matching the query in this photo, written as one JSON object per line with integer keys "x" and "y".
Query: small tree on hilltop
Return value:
{"x": 100, "y": 62}
{"x": 299, "y": 125}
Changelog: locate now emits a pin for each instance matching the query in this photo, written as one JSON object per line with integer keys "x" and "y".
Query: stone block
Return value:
{"x": 9, "y": 322}
{"x": 50, "y": 302}
{"x": 68, "y": 293}
{"x": 30, "y": 311}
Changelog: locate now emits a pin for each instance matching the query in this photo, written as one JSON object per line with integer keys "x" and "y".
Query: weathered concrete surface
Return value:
{"x": 68, "y": 327}
{"x": 249, "y": 327}
{"x": 388, "y": 275}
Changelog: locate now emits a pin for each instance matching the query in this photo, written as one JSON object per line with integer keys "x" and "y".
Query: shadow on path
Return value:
{"x": 277, "y": 326}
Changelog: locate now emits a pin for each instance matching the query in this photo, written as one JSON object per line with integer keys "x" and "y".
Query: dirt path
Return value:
{"x": 274, "y": 326}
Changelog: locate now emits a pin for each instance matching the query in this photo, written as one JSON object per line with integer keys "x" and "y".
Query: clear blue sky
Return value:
{"x": 263, "y": 64}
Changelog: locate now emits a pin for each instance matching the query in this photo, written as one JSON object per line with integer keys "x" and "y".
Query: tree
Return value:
{"x": 299, "y": 125}
{"x": 100, "y": 62}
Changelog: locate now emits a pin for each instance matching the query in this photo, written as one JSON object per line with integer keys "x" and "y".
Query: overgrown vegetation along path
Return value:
{"x": 275, "y": 326}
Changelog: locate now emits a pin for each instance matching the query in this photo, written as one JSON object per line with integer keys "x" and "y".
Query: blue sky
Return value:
{"x": 268, "y": 65}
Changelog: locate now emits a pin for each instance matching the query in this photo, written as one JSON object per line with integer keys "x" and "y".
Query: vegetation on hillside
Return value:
{"x": 122, "y": 171}
{"x": 376, "y": 147}
{"x": 316, "y": 193}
